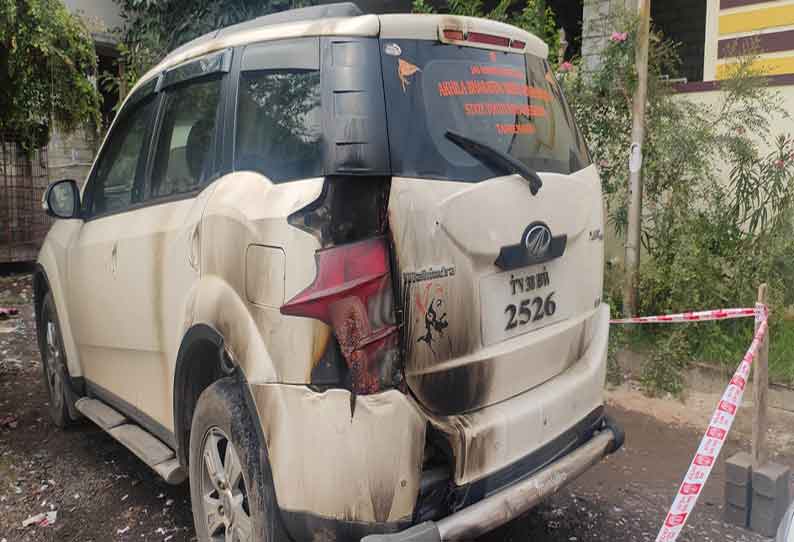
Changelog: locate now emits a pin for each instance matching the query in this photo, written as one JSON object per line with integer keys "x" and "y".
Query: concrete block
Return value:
{"x": 739, "y": 469}
{"x": 736, "y": 515}
{"x": 738, "y": 495}
{"x": 771, "y": 480}
{"x": 770, "y": 497}
{"x": 765, "y": 515}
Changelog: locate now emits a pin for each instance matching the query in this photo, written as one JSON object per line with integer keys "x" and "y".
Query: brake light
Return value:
{"x": 455, "y": 35}
{"x": 488, "y": 39}
{"x": 458, "y": 35}
{"x": 352, "y": 293}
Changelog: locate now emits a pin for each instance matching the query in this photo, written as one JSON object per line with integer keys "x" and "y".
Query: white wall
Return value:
{"x": 779, "y": 124}
{"x": 105, "y": 13}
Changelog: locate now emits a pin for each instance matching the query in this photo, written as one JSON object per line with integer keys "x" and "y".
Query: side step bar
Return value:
{"x": 148, "y": 448}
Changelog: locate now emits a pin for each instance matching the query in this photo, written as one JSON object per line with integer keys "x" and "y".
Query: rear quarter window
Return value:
{"x": 279, "y": 114}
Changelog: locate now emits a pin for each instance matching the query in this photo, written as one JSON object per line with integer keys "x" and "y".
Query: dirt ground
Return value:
{"x": 101, "y": 492}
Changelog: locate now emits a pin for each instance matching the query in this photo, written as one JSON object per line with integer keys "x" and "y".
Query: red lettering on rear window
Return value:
{"x": 507, "y": 129}
{"x": 479, "y": 87}
{"x": 500, "y": 108}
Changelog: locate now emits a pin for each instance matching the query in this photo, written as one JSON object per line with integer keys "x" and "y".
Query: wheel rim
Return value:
{"x": 224, "y": 496}
{"x": 53, "y": 366}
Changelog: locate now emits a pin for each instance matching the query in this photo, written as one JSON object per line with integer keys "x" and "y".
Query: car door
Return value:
{"x": 105, "y": 335}
{"x": 159, "y": 257}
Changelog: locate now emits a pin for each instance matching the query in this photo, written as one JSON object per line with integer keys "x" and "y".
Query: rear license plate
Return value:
{"x": 516, "y": 302}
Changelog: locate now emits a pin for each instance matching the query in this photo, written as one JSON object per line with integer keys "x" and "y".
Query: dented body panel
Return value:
{"x": 489, "y": 439}
{"x": 362, "y": 466}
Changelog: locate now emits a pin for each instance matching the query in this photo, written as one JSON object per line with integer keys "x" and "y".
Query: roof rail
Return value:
{"x": 341, "y": 9}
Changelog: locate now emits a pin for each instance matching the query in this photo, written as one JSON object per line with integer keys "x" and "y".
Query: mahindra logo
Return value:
{"x": 537, "y": 239}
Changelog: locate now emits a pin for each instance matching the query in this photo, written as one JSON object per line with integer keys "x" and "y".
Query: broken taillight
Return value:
{"x": 455, "y": 35}
{"x": 352, "y": 293}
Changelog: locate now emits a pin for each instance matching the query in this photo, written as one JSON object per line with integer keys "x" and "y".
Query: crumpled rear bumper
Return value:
{"x": 516, "y": 499}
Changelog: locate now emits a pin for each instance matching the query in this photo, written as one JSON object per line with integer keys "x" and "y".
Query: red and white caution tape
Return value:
{"x": 712, "y": 441}
{"x": 5, "y": 312}
{"x": 700, "y": 316}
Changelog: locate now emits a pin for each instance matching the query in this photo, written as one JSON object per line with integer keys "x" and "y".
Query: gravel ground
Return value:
{"x": 101, "y": 492}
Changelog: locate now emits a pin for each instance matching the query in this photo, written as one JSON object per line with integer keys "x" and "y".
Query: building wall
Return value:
{"x": 766, "y": 27}
{"x": 596, "y": 28}
{"x": 105, "y": 14}
{"x": 70, "y": 155}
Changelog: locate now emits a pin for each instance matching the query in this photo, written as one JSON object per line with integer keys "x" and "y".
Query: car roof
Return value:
{"x": 341, "y": 19}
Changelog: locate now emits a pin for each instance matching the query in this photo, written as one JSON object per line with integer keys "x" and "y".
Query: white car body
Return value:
{"x": 147, "y": 293}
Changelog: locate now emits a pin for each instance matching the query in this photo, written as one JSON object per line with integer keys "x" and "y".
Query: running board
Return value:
{"x": 143, "y": 444}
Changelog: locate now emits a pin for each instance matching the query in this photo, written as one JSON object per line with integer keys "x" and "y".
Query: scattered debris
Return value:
{"x": 124, "y": 498}
{"x": 9, "y": 421}
{"x": 42, "y": 519}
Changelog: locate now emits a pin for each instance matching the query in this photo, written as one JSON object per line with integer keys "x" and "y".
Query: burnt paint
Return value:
{"x": 307, "y": 526}
{"x": 456, "y": 390}
{"x": 347, "y": 210}
{"x": 449, "y": 391}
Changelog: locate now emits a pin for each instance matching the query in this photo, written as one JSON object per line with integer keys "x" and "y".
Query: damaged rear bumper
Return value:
{"x": 516, "y": 499}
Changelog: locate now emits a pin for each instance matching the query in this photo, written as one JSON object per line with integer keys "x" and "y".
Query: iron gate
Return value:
{"x": 23, "y": 180}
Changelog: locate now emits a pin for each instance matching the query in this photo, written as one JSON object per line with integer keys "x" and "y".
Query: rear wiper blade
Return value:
{"x": 497, "y": 158}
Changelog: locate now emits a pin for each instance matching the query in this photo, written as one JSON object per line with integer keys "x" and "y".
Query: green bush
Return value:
{"x": 716, "y": 210}
{"x": 47, "y": 60}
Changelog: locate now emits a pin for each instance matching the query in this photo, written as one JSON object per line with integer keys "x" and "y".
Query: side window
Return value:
{"x": 186, "y": 138}
{"x": 117, "y": 171}
{"x": 278, "y": 111}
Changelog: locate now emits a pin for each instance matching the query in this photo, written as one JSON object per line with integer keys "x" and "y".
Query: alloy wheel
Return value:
{"x": 224, "y": 493}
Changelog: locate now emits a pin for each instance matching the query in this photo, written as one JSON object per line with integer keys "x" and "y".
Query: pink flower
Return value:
{"x": 603, "y": 164}
{"x": 780, "y": 164}
{"x": 565, "y": 67}
{"x": 619, "y": 37}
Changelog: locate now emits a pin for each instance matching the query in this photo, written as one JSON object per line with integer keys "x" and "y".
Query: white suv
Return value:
{"x": 343, "y": 271}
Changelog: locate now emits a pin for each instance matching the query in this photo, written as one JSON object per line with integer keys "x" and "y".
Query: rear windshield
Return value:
{"x": 509, "y": 101}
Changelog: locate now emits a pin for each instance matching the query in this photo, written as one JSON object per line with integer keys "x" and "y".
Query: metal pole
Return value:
{"x": 634, "y": 229}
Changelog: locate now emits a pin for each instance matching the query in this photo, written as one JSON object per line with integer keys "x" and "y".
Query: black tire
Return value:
{"x": 53, "y": 364}
{"x": 222, "y": 415}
